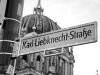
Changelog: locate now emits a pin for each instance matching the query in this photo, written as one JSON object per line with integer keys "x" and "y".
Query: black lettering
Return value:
{"x": 28, "y": 45}
{"x": 63, "y": 37}
{"x": 24, "y": 44}
{"x": 56, "y": 39}
{"x": 80, "y": 34}
{"x": 75, "y": 35}
{"x": 66, "y": 36}
{"x": 48, "y": 40}
{"x": 89, "y": 32}
{"x": 44, "y": 41}
{"x": 84, "y": 33}
{"x": 72, "y": 34}
{"x": 41, "y": 42}
{"x": 31, "y": 43}
{"x": 52, "y": 40}
{"x": 59, "y": 38}
{"x": 36, "y": 42}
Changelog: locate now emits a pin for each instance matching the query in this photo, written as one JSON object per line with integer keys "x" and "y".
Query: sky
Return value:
{"x": 68, "y": 13}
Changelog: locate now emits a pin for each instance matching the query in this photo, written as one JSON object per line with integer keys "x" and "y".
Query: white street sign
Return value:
{"x": 77, "y": 35}
{"x": 2, "y": 10}
{"x": 10, "y": 70}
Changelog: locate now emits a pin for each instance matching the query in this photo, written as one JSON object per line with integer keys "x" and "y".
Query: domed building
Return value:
{"x": 38, "y": 63}
{"x": 37, "y": 19}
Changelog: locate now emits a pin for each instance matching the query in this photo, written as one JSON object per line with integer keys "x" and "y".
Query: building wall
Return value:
{"x": 55, "y": 65}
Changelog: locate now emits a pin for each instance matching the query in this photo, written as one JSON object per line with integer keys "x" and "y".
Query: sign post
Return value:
{"x": 73, "y": 36}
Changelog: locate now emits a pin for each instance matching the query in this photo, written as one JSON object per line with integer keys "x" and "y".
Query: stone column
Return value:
{"x": 71, "y": 66}
{"x": 46, "y": 64}
{"x": 66, "y": 71}
{"x": 68, "y": 68}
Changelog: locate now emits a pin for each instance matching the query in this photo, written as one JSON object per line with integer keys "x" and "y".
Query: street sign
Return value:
{"x": 10, "y": 70}
{"x": 15, "y": 49}
{"x": 2, "y": 10}
{"x": 52, "y": 52}
{"x": 73, "y": 36}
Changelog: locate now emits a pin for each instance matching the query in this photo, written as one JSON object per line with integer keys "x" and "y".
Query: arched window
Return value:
{"x": 39, "y": 62}
{"x": 38, "y": 58}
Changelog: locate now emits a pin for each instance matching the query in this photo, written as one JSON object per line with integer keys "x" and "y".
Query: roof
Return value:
{"x": 42, "y": 23}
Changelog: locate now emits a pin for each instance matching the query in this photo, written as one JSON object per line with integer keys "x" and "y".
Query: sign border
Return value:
{"x": 61, "y": 30}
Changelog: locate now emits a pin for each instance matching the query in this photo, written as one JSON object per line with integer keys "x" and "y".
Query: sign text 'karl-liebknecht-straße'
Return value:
{"x": 63, "y": 37}
{"x": 82, "y": 34}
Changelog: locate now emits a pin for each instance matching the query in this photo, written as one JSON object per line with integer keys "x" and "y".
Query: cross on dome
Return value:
{"x": 39, "y": 4}
{"x": 38, "y": 10}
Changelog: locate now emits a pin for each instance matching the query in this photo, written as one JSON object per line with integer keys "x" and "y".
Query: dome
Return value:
{"x": 39, "y": 21}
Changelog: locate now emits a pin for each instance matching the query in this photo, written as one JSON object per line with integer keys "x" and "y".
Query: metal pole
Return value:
{"x": 11, "y": 27}
{"x": 14, "y": 66}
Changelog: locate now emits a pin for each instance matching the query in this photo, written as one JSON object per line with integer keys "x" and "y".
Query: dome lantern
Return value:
{"x": 39, "y": 21}
{"x": 38, "y": 10}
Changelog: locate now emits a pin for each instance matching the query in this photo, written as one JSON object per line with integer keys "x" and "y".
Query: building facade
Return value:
{"x": 43, "y": 63}
{"x": 38, "y": 64}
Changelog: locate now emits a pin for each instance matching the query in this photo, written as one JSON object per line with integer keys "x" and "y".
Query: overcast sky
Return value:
{"x": 69, "y": 13}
